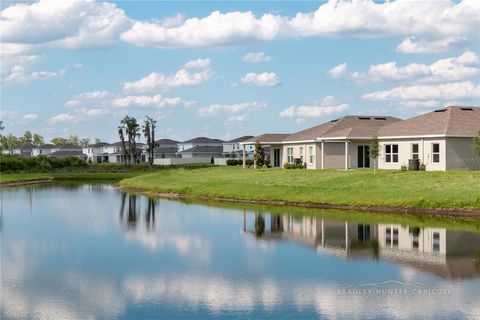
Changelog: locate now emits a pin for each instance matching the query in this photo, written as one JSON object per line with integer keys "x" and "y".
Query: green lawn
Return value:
{"x": 355, "y": 187}
{"x": 77, "y": 176}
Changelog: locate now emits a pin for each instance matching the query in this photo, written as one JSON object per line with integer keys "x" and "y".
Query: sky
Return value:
{"x": 224, "y": 69}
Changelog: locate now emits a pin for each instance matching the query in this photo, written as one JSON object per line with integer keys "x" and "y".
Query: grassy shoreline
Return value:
{"x": 11, "y": 178}
{"x": 426, "y": 190}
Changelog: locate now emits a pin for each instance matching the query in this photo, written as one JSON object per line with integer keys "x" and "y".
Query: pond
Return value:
{"x": 91, "y": 251}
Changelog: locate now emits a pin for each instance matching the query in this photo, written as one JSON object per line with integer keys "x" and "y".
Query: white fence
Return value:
{"x": 180, "y": 161}
{"x": 221, "y": 161}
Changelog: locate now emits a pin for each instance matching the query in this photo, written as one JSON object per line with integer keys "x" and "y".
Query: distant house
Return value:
{"x": 97, "y": 152}
{"x": 67, "y": 150}
{"x": 44, "y": 149}
{"x": 166, "y": 148}
{"x": 233, "y": 148}
{"x": 116, "y": 154}
{"x": 200, "y": 142}
{"x": 23, "y": 150}
{"x": 203, "y": 152}
{"x": 440, "y": 140}
{"x": 167, "y": 143}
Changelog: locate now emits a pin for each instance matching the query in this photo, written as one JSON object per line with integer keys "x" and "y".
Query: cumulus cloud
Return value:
{"x": 159, "y": 81}
{"x": 18, "y": 75}
{"x": 65, "y": 117}
{"x": 360, "y": 19}
{"x": 326, "y": 107}
{"x": 255, "y": 57}
{"x": 30, "y": 116}
{"x": 265, "y": 79}
{"x": 197, "y": 64}
{"x": 413, "y": 45}
{"x": 443, "y": 91}
{"x": 88, "y": 96}
{"x": 338, "y": 71}
{"x": 236, "y": 119}
{"x": 96, "y": 112}
{"x": 145, "y": 101}
{"x": 62, "y": 24}
{"x": 216, "y": 109}
{"x": 462, "y": 67}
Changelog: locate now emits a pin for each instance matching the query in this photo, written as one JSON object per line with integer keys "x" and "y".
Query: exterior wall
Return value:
{"x": 180, "y": 161}
{"x": 298, "y": 154}
{"x": 404, "y": 153}
{"x": 201, "y": 155}
{"x": 237, "y": 149}
{"x": 460, "y": 156}
{"x": 405, "y": 239}
{"x": 353, "y": 153}
{"x": 41, "y": 151}
{"x": 334, "y": 155}
{"x": 186, "y": 146}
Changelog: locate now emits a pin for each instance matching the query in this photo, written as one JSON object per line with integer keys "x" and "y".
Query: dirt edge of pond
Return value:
{"x": 21, "y": 183}
{"x": 463, "y": 213}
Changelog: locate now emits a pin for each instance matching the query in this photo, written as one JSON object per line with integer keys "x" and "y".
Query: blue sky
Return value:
{"x": 225, "y": 69}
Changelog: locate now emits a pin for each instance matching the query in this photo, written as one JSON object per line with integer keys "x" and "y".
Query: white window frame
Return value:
{"x": 301, "y": 153}
{"x": 413, "y": 153}
{"x": 310, "y": 154}
{"x": 391, "y": 153}
{"x": 290, "y": 154}
{"x": 435, "y": 153}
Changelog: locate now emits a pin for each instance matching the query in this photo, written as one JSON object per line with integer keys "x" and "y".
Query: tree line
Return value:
{"x": 129, "y": 131}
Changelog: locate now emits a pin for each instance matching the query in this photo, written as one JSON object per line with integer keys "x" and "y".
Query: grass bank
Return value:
{"x": 10, "y": 178}
{"x": 430, "y": 190}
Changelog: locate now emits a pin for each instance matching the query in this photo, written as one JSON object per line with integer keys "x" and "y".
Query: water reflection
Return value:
{"x": 94, "y": 252}
{"x": 445, "y": 253}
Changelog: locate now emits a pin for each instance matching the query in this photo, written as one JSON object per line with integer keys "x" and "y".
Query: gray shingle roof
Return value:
{"x": 268, "y": 137}
{"x": 66, "y": 154}
{"x": 167, "y": 150}
{"x": 99, "y": 144}
{"x": 166, "y": 141}
{"x": 204, "y": 149}
{"x": 46, "y": 146}
{"x": 240, "y": 139}
{"x": 453, "y": 120}
{"x": 203, "y": 140}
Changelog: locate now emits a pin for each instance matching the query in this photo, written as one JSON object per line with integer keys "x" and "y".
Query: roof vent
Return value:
{"x": 466, "y": 109}
{"x": 364, "y": 118}
{"x": 440, "y": 110}
{"x": 380, "y": 118}
{"x": 334, "y": 120}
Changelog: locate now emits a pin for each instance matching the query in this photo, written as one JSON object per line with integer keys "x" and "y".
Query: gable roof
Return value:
{"x": 267, "y": 138}
{"x": 62, "y": 153}
{"x": 453, "y": 121}
{"x": 46, "y": 146}
{"x": 348, "y": 126}
{"x": 167, "y": 141}
{"x": 166, "y": 150}
{"x": 203, "y": 140}
{"x": 204, "y": 149}
{"x": 240, "y": 139}
{"x": 99, "y": 144}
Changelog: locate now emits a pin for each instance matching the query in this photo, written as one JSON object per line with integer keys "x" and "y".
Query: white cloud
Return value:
{"x": 255, "y": 57}
{"x": 326, "y": 107}
{"x": 18, "y": 75}
{"x": 420, "y": 103}
{"x": 87, "y": 96}
{"x": 444, "y": 91}
{"x": 62, "y": 24}
{"x": 144, "y": 101}
{"x": 159, "y": 81}
{"x": 265, "y": 79}
{"x": 237, "y": 119}
{"x": 413, "y": 45}
{"x": 450, "y": 69}
{"x": 338, "y": 71}
{"x": 360, "y": 19}
{"x": 65, "y": 117}
{"x": 216, "y": 109}
{"x": 197, "y": 64}
{"x": 96, "y": 112}
{"x": 30, "y": 116}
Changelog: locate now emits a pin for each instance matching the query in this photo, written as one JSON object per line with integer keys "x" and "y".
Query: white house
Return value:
{"x": 233, "y": 148}
{"x": 97, "y": 152}
{"x": 44, "y": 149}
{"x": 200, "y": 142}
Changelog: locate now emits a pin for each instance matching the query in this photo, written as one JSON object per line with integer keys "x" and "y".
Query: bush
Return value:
{"x": 17, "y": 163}
{"x": 294, "y": 166}
{"x": 249, "y": 163}
{"x": 422, "y": 167}
{"x": 234, "y": 162}
{"x": 403, "y": 168}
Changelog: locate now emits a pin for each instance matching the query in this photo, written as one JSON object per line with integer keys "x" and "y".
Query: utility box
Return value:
{"x": 413, "y": 164}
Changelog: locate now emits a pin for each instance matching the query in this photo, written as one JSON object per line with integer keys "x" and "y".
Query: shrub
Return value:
{"x": 403, "y": 168}
{"x": 17, "y": 163}
{"x": 249, "y": 163}
{"x": 234, "y": 162}
{"x": 422, "y": 167}
{"x": 294, "y": 166}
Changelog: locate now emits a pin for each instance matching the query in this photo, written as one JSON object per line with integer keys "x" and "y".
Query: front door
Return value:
{"x": 276, "y": 158}
{"x": 363, "y": 156}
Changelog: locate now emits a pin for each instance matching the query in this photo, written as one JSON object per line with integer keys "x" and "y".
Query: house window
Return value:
{"x": 415, "y": 151}
{"x": 436, "y": 242}
{"x": 40, "y": 151}
{"x": 290, "y": 155}
{"x": 391, "y": 153}
{"x": 391, "y": 237}
{"x": 301, "y": 154}
{"x": 435, "y": 152}
{"x": 310, "y": 154}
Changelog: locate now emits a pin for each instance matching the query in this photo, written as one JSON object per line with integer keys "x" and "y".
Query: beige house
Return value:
{"x": 441, "y": 140}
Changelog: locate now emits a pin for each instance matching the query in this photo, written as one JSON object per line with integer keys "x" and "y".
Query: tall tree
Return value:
{"x": 73, "y": 139}
{"x": 97, "y": 140}
{"x": 149, "y": 134}
{"x": 374, "y": 150}
{"x": 476, "y": 144}
{"x": 129, "y": 128}
{"x": 38, "y": 139}
{"x": 84, "y": 142}
{"x": 58, "y": 141}
{"x": 259, "y": 155}
{"x": 27, "y": 138}
{"x": 9, "y": 141}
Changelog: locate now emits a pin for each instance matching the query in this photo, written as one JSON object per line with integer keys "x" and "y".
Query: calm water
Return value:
{"x": 88, "y": 251}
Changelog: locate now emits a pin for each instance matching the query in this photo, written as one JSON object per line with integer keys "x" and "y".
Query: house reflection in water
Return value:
{"x": 445, "y": 253}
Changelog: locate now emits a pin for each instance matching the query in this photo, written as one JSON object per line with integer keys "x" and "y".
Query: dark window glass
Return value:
{"x": 388, "y": 148}
{"x": 395, "y": 158}
{"x": 415, "y": 148}
{"x": 395, "y": 148}
{"x": 436, "y": 158}
{"x": 415, "y": 156}
{"x": 388, "y": 158}
{"x": 436, "y": 147}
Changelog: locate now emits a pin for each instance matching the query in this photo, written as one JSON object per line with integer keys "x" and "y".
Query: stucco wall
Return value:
{"x": 460, "y": 154}
{"x": 334, "y": 155}
{"x": 296, "y": 153}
